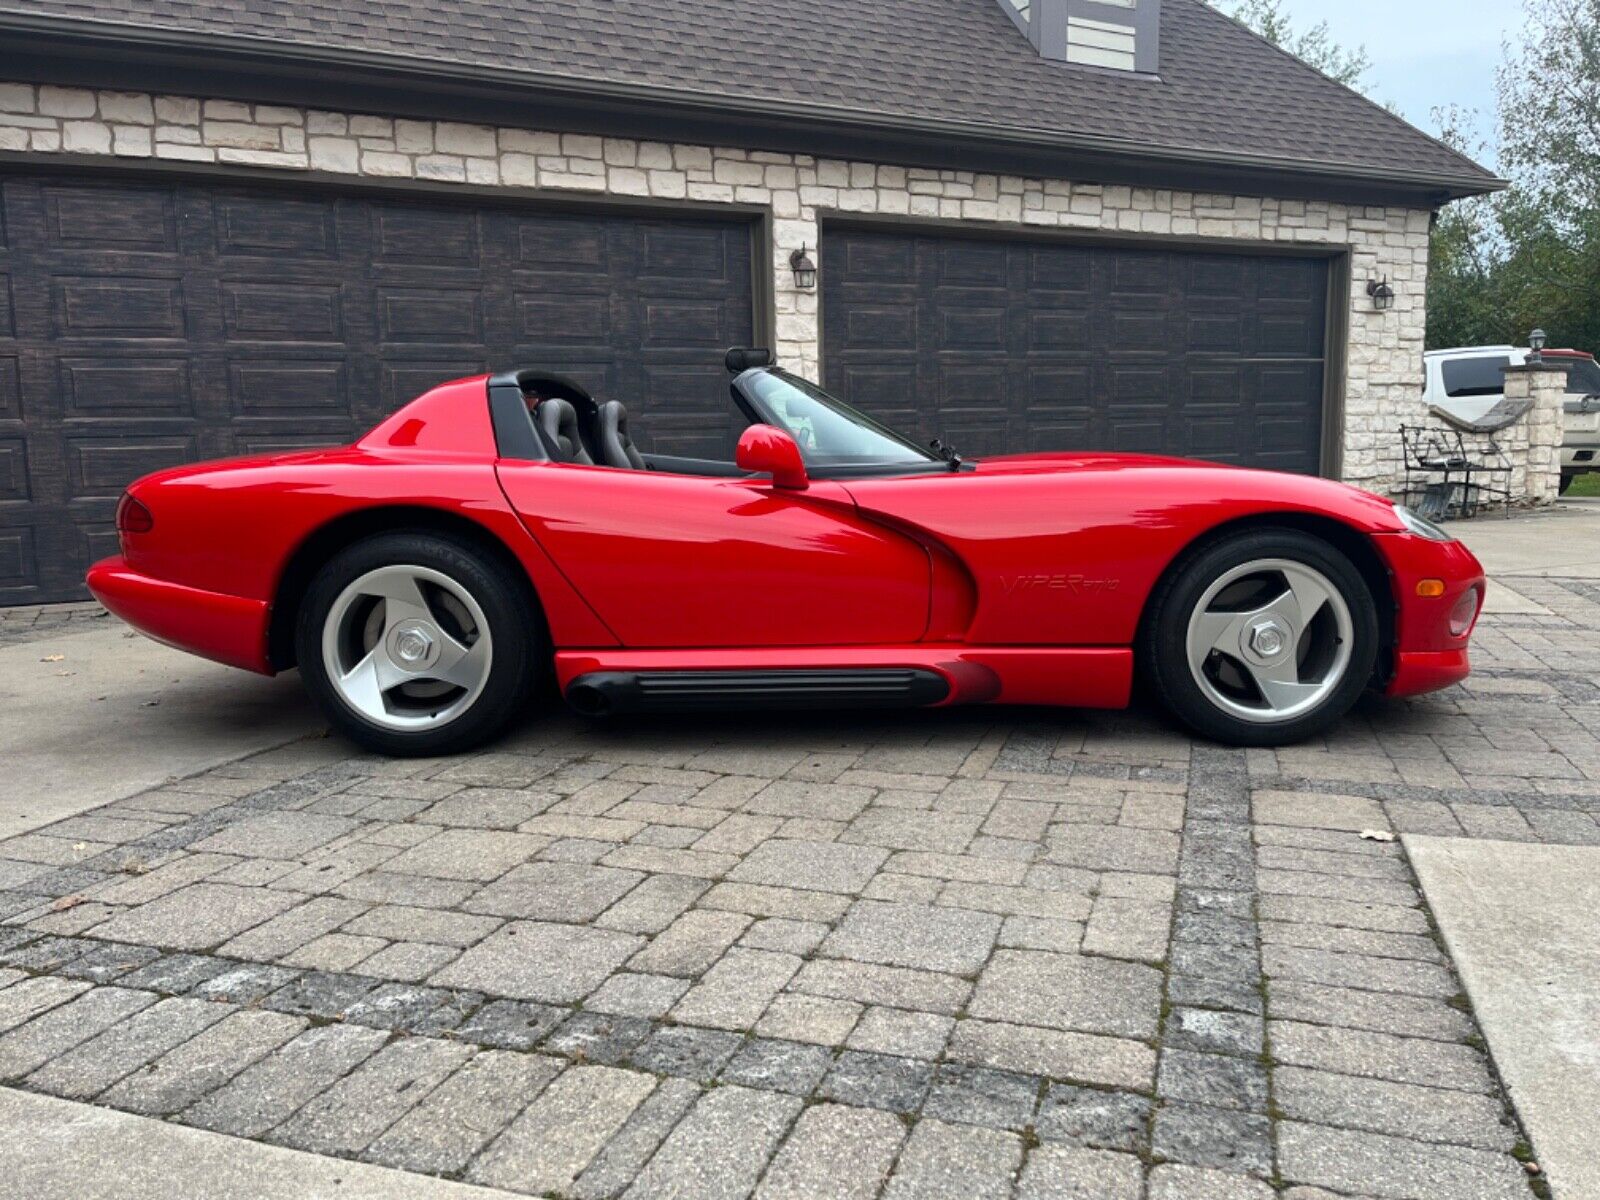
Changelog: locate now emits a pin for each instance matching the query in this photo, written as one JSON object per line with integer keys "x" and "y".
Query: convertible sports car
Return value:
{"x": 426, "y": 578}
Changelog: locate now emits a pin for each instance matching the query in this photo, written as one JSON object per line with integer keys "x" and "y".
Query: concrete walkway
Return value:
{"x": 1523, "y": 925}
{"x": 95, "y": 715}
{"x": 57, "y": 1150}
{"x": 1563, "y": 540}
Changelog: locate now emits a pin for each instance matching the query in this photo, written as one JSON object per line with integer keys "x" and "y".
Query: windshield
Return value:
{"x": 1583, "y": 379}
{"x": 829, "y": 431}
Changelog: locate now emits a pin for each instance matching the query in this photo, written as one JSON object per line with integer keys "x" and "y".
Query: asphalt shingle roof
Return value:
{"x": 1221, "y": 92}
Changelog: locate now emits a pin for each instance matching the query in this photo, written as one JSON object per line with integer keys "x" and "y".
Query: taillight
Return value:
{"x": 1465, "y": 613}
{"x": 133, "y": 517}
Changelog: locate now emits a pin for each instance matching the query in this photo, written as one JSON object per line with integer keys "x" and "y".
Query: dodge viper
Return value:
{"x": 497, "y": 529}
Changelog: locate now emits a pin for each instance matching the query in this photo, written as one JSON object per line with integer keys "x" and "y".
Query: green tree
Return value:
{"x": 1315, "y": 45}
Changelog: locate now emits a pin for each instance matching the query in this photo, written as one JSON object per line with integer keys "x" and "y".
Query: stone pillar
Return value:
{"x": 1545, "y": 384}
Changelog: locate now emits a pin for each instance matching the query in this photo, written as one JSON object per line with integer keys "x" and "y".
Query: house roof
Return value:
{"x": 951, "y": 70}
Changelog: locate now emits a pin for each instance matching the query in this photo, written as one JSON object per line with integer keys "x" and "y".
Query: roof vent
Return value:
{"x": 1121, "y": 35}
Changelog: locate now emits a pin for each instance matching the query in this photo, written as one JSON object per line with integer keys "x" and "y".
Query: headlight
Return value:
{"x": 1421, "y": 526}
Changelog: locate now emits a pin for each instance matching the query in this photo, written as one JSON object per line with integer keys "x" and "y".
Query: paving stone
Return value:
{"x": 353, "y": 1112}
{"x": 1091, "y": 1117}
{"x": 829, "y": 801}
{"x": 1344, "y": 940}
{"x": 1220, "y": 1080}
{"x": 325, "y": 994}
{"x": 1319, "y": 811}
{"x": 1076, "y": 992}
{"x": 1056, "y": 1172}
{"x": 488, "y": 808}
{"x": 637, "y": 995}
{"x": 759, "y": 900}
{"x": 1085, "y": 1058}
{"x": 901, "y": 1031}
{"x": 955, "y": 1162}
{"x": 736, "y": 991}
{"x": 687, "y": 1052}
{"x": 548, "y": 1146}
{"x": 691, "y": 944}
{"x": 916, "y": 936}
{"x": 198, "y": 917}
{"x": 283, "y": 835}
{"x": 1380, "y": 1056}
{"x": 1358, "y": 971}
{"x": 27, "y": 1047}
{"x": 816, "y": 1019}
{"x": 293, "y": 929}
{"x": 1172, "y": 1181}
{"x": 412, "y": 1008}
{"x": 1213, "y": 1137}
{"x": 467, "y": 854}
{"x": 511, "y": 1024}
{"x": 1115, "y": 848}
{"x": 268, "y": 1092}
{"x": 789, "y": 937}
{"x": 1133, "y": 929}
{"x": 46, "y": 954}
{"x": 877, "y": 1081}
{"x": 834, "y": 1153}
{"x": 598, "y": 1037}
{"x": 872, "y": 984}
{"x": 620, "y": 1159}
{"x": 93, "y": 1066}
{"x": 1372, "y": 1165}
{"x": 1042, "y": 933}
{"x": 718, "y": 1151}
{"x": 414, "y": 891}
{"x": 1404, "y": 1110}
{"x": 1217, "y": 1032}
{"x": 181, "y": 1076}
{"x": 407, "y": 962}
{"x": 28, "y": 997}
{"x": 1191, "y": 990}
{"x": 535, "y": 960}
{"x": 910, "y": 829}
{"x": 334, "y": 952}
{"x": 242, "y": 983}
{"x": 778, "y": 1066}
{"x": 822, "y": 866}
{"x": 443, "y": 1133}
{"x": 398, "y": 922}
{"x": 654, "y": 904}
{"x": 702, "y": 864}
{"x": 554, "y": 891}
{"x": 979, "y": 1096}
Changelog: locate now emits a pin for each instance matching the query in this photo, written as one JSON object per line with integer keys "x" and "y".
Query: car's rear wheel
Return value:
{"x": 415, "y": 643}
{"x": 1262, "y": 639}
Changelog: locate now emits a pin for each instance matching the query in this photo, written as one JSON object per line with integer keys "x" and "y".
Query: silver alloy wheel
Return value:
{"x": 1270, "y": 640}
{"x": 407, "y": 647}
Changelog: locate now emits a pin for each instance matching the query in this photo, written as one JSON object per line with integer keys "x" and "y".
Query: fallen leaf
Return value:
{"x": 1377, "y": 835}
{"x": 66, "y": 902}
{"x": 53, "y": 658}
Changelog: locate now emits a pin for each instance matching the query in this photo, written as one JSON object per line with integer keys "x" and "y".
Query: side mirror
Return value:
{"x": 766, "y": 449}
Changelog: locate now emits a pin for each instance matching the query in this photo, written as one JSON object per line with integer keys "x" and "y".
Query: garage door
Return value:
{"x": 149, "y": 323}
{"x": 1010, "y": 346}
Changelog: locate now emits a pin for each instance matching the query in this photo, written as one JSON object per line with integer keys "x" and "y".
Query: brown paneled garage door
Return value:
{"x": 146, "y": 323}
{"x": 1004, "y": 346}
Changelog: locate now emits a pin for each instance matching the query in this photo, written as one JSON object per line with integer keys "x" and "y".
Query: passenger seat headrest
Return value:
{"x": 558, "y": 421}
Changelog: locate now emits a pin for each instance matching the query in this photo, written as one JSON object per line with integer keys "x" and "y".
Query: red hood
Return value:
{"x": 1079, "y": 460}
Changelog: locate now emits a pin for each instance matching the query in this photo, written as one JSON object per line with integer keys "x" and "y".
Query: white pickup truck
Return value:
{"x": 1467, "y": 382}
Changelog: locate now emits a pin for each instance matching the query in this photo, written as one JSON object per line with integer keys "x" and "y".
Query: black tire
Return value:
{"x": 508, "y": 604}
{"x": 1566, "y": 482}
{"x": 1163, "y": 650}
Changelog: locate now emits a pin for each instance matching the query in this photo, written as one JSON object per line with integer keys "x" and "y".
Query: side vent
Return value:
{"x": 1119, "y": 35}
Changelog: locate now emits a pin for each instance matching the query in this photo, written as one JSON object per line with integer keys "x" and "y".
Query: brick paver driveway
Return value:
{"x": 972, "y": 954}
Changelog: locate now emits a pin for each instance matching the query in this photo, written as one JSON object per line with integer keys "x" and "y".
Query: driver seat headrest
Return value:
{"x": 558, "y": 421}
{"x": 616, "y": 447}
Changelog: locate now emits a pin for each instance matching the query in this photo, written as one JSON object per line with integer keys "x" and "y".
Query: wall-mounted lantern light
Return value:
{"x": 805, "y": 270}
{"x": 1382, "y": 294}
{"x": 1536, "y": 341}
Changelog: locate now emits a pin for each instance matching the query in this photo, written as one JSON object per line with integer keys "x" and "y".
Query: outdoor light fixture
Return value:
{"x": 1382, "y": 294}
{"x": 805, "y": 271}
{"x": 1536, "y": 341}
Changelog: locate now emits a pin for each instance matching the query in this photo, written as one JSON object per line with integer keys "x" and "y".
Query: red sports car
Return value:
{"x": 427, "y": 577}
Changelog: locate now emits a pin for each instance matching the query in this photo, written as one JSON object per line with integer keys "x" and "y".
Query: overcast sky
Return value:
{"x": 1424, "y": 52}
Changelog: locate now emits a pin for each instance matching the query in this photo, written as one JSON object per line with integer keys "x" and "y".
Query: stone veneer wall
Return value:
{"x": 1384, "y": 361}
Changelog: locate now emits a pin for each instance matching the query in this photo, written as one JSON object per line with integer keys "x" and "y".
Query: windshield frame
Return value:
{"x": 926, "y": 462}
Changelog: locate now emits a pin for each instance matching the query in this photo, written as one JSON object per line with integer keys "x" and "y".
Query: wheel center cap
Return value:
{"x": 1268, "y": 639}
{"x": 413, "y": 645}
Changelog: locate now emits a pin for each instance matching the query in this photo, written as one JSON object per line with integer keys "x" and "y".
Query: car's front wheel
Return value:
{"x": 1263, "y": 638}
{"x": 415, "y": 643}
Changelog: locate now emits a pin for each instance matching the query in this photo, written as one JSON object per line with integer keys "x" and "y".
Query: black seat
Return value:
{"x": 616, "y": 447}
{"x": 558, "y": 421}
